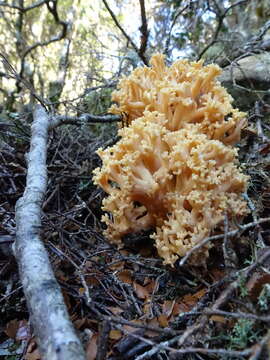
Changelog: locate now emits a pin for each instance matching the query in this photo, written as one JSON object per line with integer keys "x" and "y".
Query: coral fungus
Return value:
{"x": 174, "y": 168}
{"x": 186, "y": 92}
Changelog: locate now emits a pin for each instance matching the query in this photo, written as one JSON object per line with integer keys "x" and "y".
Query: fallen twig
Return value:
{"x": 233, "y": 315}
{"x": 221, "y": 236}
{"x": 259, "y": 347}
{"x": 201, "y": 322}
{"x": 84, "y": 118}
{"x": 49, "y": 316}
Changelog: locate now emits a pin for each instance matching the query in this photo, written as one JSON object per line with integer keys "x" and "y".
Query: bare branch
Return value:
{"x": 56, "y": 86}
{"x": 191, "y": 350}
{"x": 14, "y": 74}
{"x": 78, "y": 120}
{"x": 221, "y": 18}
{"x": 259, "y": 347}
{"x": 167, "y": 44}
{"x": 143, "y": 29}
{"x": 239, "y": 315}
{"x": 221, "y": 236}
{"x": 256, "y": 45}
{"x": 53, "y": 10}
{"x": 260, "y": 33}
{"x": 222, "y": 352}
{"x": 137, "y": 50}
{"x": 49, "y": 316}
{"x": 24, "y": 9}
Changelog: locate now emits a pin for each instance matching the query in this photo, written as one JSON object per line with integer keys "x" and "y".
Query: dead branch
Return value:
{"x": 259, "y": 347}
{"x": 49, "y": 316}
{"x": 52, "y": 8}
{"x": 221, "y": 16}
{"x": 220, "y": 301}
{"x": 255, "y": 45}
{"x": 135, "y": 47}
{"x": 166, "y": 345}
{"x": 238, "y": 315}
{"x": 221, "y": 236}
{"x": 105, "y": 329}
{"x": 179, "y": 13}
{"x": 121, "y": 321}
{"x": 144, "y": 30}
{"x": 14, "y": 74}
{"x": 83, "y": 118}
{"x": 23, "y": 9}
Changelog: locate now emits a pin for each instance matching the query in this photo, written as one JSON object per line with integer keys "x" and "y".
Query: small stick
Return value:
{"x": 221, "y": 236}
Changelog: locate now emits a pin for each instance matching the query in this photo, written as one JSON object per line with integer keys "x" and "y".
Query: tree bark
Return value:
{"x": 56, "y": 337}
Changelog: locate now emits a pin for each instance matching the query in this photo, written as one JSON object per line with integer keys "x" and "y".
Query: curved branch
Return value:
{"x": 61, "y": 36}
{"x": 55, "y": 334}
{"x": 137, "y": 50}
{"x": 256, "y": 45}
{"x": 221, "y": 18}
{"x": 221, "y": 236}
{"x": 12, "y": 73}
{"x": 24, "y": 9}
{"x": 167, "y": 44}
{"x": 52, "y": 8}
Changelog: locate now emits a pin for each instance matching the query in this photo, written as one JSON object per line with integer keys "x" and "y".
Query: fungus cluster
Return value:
{"x": 174, "y": 168}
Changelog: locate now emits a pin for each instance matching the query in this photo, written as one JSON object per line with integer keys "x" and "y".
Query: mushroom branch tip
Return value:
{"x": 174, "y": 169}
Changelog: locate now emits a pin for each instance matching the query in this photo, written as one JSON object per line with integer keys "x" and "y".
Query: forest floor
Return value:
{"x": 124, "y": 302}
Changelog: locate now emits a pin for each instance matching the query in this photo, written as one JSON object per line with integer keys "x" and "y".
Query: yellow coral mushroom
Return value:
{"x": 186, "y": 92}
{"x": 177, "y": 176}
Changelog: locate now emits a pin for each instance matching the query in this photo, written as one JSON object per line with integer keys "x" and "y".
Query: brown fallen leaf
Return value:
{"x": 34, "y": 355}
{"x": 172, "y": 308}
{"x": 92, "y": 280}
{"x": 124, "y": 252}
{"x": 167, "y": 307}
{"x": 218, "y": 318}
{"x": 91, "y": 347}
{"x": 179, "y": 307}
{"x": 141, "y": 291}
{"x": 216, "y": 274}
{"x": 265, "y": 149}
{"x": 81, "y": 290}
{"x": 18, "y": 330}
{"x": 115, "y": 310}
{"x": 23, "y": 332}
{"x": 115, "y": 334}
{"x": 146, "y": 251}
{"x": 147, "y": 310}
{"x": 152, "y": 285}
{"x": 155, "y": 323}
{"x": 256, "y": 283}
{"x": 80, "y": 323}
{"x": 117, "y": 266}
{"x": 66, "y": 299}
{"x": 132, "y": 329}
{"x": 192, "y": 299}
{"x": 163, "y": 320}
{"x": 85, "y": 323}
{"x": 125, "y": 276}
{"x": 32, "y": 352}
{"x": 88, "y": 264}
